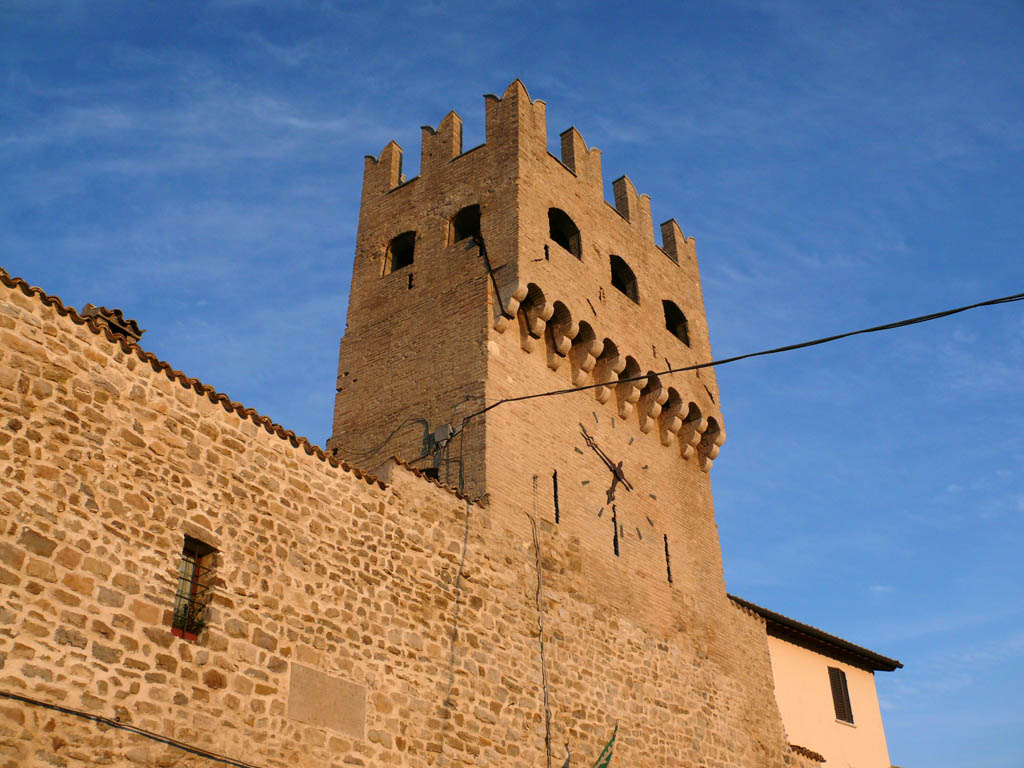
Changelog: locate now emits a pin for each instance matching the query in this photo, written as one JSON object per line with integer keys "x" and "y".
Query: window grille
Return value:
{"x": 192, "y": 596}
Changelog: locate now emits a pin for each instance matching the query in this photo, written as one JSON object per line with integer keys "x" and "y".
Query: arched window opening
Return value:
{"x": 623, "y": 279}
{"x": 465, "y": 223}
{"x": 675, "y": 322}
{"x": 564, "y": 231}
{"x": 400, "y": 252}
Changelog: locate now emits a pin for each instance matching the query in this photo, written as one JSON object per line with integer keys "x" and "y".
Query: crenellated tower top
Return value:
{"x": 516, "y": 129}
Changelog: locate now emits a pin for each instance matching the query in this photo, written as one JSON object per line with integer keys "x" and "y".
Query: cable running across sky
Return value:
{"x": 736, "y": 358}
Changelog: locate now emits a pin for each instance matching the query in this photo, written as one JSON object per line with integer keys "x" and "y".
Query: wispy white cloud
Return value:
{"x": 915, "y": 626}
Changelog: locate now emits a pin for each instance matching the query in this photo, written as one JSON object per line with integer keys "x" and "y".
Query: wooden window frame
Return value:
{"x": 840, "y": 695}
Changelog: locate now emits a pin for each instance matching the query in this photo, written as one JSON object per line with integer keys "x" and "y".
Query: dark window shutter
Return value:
{"x": 840, "y": 694}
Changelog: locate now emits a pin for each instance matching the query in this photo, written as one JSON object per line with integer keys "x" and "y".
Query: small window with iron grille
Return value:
{"x": 195, "y": 580}
{"x": 840, "y": 695}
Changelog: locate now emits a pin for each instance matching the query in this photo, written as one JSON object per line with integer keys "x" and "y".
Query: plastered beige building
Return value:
{"x": 187, "y": 583}
{"x": 825, "y": 689}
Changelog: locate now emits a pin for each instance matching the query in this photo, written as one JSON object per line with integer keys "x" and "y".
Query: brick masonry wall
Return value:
{"x": 414, "y": 349}
{"x": 107, "y": 461}
{"x": 419, "y": 348}
{"x": 666, "y": 460}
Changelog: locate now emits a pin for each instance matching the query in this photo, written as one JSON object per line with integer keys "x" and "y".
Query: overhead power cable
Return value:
{"x": 114, "y": 723}
{"x": 736, "y": 358}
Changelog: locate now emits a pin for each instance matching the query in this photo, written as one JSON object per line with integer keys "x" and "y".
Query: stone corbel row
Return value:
{"x": 511, "y": 307}
{"x": 593, "y": 361}
{"x": 533, "y": 314}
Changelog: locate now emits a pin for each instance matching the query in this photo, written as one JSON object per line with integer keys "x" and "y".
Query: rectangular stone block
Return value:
{"x": 316, "y": 698}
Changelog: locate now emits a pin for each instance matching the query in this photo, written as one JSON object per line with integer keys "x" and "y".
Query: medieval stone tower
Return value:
{"x": 502, "y": 272}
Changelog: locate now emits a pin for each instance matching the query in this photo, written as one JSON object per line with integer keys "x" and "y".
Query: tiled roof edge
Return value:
{"x": 118, "y": 315}
{"x": 794, "y": 629}
{"x": 810, "y": 754}
{"x": 158, "y": 365}
{"x": 423, "y": 476}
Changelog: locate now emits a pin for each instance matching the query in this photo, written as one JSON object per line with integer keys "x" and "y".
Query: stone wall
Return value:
{"x": 108, "y": 460}
{"x": 338, "y": 595}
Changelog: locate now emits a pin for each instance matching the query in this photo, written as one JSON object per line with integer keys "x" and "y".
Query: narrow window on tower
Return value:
{"x": 675, "y": 322}
{"x": 192, "y": 596}
{"x": 840, "y": 695}
{"x": 564, "y": 232}
{"x": 623, "y": 279}
{"x": 400, "y": 252}
{"x": 668, "y": 561}
{"x": 465, "y": 223}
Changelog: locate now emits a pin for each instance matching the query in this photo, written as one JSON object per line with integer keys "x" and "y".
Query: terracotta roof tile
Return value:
{"x": 116, "y": 320}
{"x": 100, "y": 327}
{"x": 808, "y": 753}
{"x": 449, "y": 488}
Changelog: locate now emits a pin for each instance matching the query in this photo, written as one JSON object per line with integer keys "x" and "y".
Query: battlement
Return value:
{"x": 442, "y": 145}
{"x": 513, "y": 122}
{"x": 516, "y": 130}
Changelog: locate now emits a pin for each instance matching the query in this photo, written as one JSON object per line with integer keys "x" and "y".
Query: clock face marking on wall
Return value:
{"x": 614, "y": 478}
{"x": 618, "y": 475}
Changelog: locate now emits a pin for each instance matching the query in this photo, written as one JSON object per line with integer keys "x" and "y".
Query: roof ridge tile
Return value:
{"x": 424, "y": 476}
{"x": 875, "y": 660}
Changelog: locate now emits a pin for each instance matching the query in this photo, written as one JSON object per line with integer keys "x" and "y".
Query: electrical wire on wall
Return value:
{"x": 349, "y": 451}
{"x": 538, "y": 598}
{"x": 115, "y": 723}
{"x": 449, "y": 702}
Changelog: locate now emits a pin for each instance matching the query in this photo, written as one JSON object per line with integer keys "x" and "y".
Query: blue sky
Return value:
{"x": 840, "y": 164}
